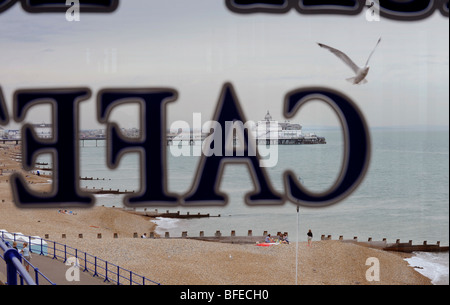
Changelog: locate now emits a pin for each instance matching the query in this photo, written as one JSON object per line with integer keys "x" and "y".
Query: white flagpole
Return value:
{"x": 296, "y": 250}
{"x": 298, "y": 233}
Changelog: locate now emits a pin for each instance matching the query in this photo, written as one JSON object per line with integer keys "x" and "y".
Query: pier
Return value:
{"x": 192, "y": 140}
{"x": 173, "y": 139}
{"x": 266, "y": 131}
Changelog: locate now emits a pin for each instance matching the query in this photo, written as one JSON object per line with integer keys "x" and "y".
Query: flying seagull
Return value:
{"x": 361, "y": 72}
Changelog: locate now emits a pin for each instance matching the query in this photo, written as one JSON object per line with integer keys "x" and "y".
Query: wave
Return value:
{"x": 165, "y": 224}
{"x": 434, "y": 266}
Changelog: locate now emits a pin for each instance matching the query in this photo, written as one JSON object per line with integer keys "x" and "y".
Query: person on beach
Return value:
{"x": 26, "y": 254}
{"x": 285, "y": 239}
{"x": 144, "y": 235}
{"x": 310, "y": 236}
{"x": 280, "y": 237}
{"x": 268, "y": 239}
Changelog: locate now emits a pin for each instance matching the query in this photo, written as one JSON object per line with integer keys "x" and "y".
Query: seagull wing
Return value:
{"x": 342, "y": 56}
{"x": 373, "y": 51}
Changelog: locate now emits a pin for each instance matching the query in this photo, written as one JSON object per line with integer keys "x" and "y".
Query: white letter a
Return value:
{"x": 73, "y": 272}
{"x": 373, "y": 273}
{"x": 73, "y": 13}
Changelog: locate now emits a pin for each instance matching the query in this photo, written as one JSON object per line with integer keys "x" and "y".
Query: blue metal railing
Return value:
{"x": 14, "y": 265}
{"x": 99, "y": 268}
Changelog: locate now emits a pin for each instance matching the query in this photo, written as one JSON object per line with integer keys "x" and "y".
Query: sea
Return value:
{"x": 404, "y": 194}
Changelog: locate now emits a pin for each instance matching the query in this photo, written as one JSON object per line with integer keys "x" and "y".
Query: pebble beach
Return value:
{"x": 191, "y": 262}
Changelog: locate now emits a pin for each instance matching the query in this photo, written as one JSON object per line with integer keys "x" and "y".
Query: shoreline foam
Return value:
{"x": 434, "y": 266}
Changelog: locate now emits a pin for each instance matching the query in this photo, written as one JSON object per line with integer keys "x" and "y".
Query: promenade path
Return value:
{"x": 55, "y": 270}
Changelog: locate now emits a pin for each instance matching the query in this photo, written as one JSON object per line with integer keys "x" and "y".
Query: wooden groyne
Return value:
{"x": 47, "y": 169}
{"x": 250, "y": 238}
{"x": 101, "y": 191}
{"x": 92, "y": 178}
{"x": 168, "y": 214}
{"x": 409, "y": 247}
{"x": 232, "y": 238}
{"x": 397, "y": 246}
{"x": 217, "y": 237}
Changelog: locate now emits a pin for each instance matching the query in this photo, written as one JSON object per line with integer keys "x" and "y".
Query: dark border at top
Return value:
{"x": 59, "y": 6}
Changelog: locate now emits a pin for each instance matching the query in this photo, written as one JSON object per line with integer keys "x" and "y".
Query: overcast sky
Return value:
{"x": 196, "y": 46}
